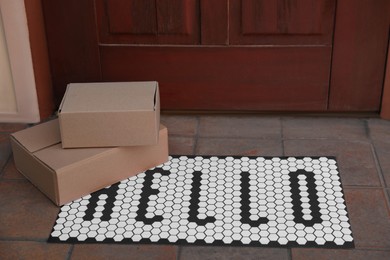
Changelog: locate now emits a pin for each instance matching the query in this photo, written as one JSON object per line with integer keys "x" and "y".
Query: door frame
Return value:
{"x": 28, "y": 56}
{"x": 385, "y": 110}
{"x": 19, "y": 52}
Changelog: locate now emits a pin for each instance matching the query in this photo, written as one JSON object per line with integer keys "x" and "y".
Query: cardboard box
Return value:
{"x": 110, "y": 114}
{"x": 68, "y": 174}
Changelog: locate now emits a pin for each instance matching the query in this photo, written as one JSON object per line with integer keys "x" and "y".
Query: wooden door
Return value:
{"x": 261, "y": 55}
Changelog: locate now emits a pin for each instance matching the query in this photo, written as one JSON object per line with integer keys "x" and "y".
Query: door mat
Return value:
{"x": 216, "y": 200}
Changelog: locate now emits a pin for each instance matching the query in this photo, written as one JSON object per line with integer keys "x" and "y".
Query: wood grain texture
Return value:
{"x": 220, "y": 78}
{"x": 148, "y": 22}
{"x": 281, "y": 22}
{"x": 359, "y": 56}
{"x": 132, "y": 16}
{"x": 214, "y": 22}
{"x": 40, "y": 57}
{"x": 173, "y": 16}
{"x": 72, "y": 40}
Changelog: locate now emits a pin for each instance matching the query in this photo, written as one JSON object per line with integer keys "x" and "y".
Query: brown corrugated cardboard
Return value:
{"x": 120, "y": 114}
{"x": 68, "y": 174}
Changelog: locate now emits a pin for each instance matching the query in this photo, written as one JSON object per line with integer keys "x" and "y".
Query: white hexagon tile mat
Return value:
{"x": 216, "y": 200}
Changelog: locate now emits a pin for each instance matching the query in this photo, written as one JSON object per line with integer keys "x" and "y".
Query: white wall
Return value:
{"x": 20, "y": 84}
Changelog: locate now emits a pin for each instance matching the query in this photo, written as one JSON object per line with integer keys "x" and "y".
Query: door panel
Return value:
{"x": 359, "y": 55}
{"x": 214, "y": 25}
{"x": 128, "y": 17}
{"x": 219, "y": 78}
{"x": 72, "y": 43}
{"x": 148, "y": 21}
{"x": 302, "y": 22}
{"x": 263, "y": 55}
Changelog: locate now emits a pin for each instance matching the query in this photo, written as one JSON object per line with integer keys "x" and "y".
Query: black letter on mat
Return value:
{"x": 111, "y": 193}
{"x": 313, "y": 198}
{"x": 245, "y": 203}
{"x": 194, "y": 202}
{"x": 147, "y": 191}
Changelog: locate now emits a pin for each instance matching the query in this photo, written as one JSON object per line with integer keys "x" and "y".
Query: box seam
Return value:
{"x": 55, "y": 181}
{"x": 63, "y": 99}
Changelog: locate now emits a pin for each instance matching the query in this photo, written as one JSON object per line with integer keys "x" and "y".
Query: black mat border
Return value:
{"x": 183, "y": 242}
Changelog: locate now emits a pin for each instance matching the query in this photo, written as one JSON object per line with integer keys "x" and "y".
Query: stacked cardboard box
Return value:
{"x": 106, "y": 132}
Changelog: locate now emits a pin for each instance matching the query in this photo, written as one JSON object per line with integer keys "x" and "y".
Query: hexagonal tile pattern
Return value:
{"x": 218, "y": 200}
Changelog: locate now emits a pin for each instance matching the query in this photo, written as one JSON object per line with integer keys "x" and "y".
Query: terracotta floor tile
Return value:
{"x": 226, "y": 253}
{"x": 5, "y": 152}
{"x": 369, "y": 217}
{"x": 12, "y": 127}
{"x": 382, "y": 150}
{"x": 181, "y": 145}
{"x": 355, "y": 159}
{"x": 318, "y": 128}
{"x": 379, "y": 129}
{"x": 32, "y": 250}
{"x": 248, "y": 147}
{"x": 128, "y": 252}
{"x": 25, "y": 210}
{"x": 338, "y": 254}
{"x": 240, "y": 126}
{"x": 30, "y": 215}
{"x": 180, "y": 125}
{"x": 10, "y": 172}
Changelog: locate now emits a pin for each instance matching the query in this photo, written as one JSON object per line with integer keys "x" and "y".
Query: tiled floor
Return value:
{"x": 362, "y": 147}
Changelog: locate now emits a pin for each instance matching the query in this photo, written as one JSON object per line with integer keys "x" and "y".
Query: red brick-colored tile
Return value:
{"x": 388, "y": 199}
{"x": 355, "y": 159}
{"x": 25, "y": 210}
{"x": 369, "y": 217}
{"x": 10, "y": 172}
{"x": 338, "y": 254}
{"x": 12, "y": 127}
{"x": 180, "y": 125}
{"x": 128, "y": 252}
{"x": 246, "y": 147}
{"x": 32, "y": 250}
{"x": 319, "y": 128}
{"x": 382, "y": 150}
{"x": 5, "y": 152}
{"x": 240, "y": 126}
{"x": 181, "y": 145}
{"x": 379, "y": 130}
{"x": 247, "y": 253}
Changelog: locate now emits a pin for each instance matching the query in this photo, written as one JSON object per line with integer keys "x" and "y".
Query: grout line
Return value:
{"x": 329, "y": 139}
{"x": 287, "y": 139}
{"x": 23, "y": 239}
{"x": 378, "y": 166}
{"x": 289, "y": 253}
{"x": 381, "y": 177}
{"x": 14, "y": 180}
{"x": 196, "y": 135}
{"x": 282, "y": 135}
{"x": 361, "y": 248}
{"x": 178, "y": 252}
{"x": 361, "y": 187}
{"x": 2, "y": 170}
{"x": 70, "y": 252}
{"x": 386, "y": 193}
{"x": 367, "y": 128}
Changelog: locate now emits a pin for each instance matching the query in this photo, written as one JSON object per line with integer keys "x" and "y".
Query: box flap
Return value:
{"x": 109, "y": 96}
{"x": 57, "y": 158}
{"x": 39, "y": 136}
